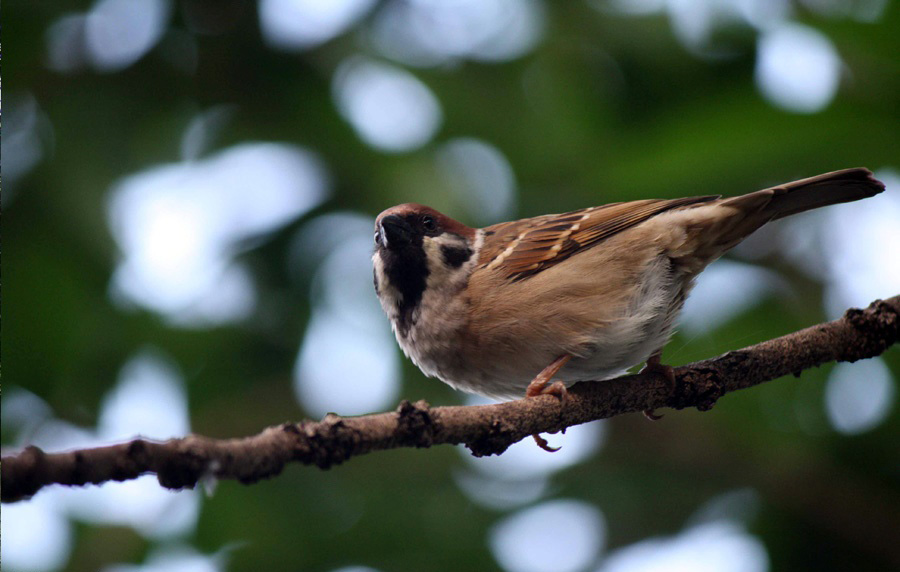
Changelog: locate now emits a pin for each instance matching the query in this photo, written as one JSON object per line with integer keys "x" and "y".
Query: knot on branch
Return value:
{"x": 26, "y": 476}
{"x": 180, "y": 470}
{"x": 499, "y": 436}
{"x": 328, "y": 443}
{"x": 415, "y": 427}
{"x": 700, "y": 387}
{"x": 880, "y": 326}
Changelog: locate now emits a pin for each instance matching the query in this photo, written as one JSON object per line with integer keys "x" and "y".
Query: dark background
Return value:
{"x": 188, "y": 194}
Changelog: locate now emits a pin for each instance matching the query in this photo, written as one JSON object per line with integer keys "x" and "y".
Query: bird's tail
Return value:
{"x": 819, "y": 191}
{"x": 713, "y": 228}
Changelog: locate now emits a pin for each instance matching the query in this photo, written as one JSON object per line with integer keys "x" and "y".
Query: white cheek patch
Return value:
{"x": 390, "y": 296}
{"x": 443, "y": 274}
{"x": 434, "y": 251}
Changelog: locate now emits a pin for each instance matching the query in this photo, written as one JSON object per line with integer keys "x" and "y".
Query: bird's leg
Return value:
{"x": 539, "y": 386}
{"x": 654, "y": 365}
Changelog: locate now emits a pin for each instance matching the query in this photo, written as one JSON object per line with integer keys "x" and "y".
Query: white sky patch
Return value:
{"x": 388, "y": 107}
{"x": 738, "y": 506}
{"x": 712, "y": 547}
{"x": 525, "y": 460}
{"x": 22, "y": 413}
{"x": 301, "y": 24}
{"x": 37, "y": 537}
{"x": 344, "y": 369}
{"x": 797, "y": 68}
{"x": 111, "y": 36}
{"x": 173, "y": 559}
{"x": 41, "y": 537}
{"x": 64, "y": 43}
{"x": 429, "y": 32}
{"x": 148, "y": 400}
{"x": 151, "y": 510}
{"x": 725, "y": 290}
{"x": 179, "y": 225}
{"x": 695, "y": 22}
{"x": 348, "y": 361}
{"x": 862, "y": 242}
{"x": 320, "y": 236}
{"x": 202, "y": 131}
{"x": 27, "y": 136}
{"x": 499, "y": 493}
{"x": 555, "y": 536}
{"x": 481, "y": 177}
{"x": 118, "y": 33}
{"x": 343, "y": 282}
{"x": 763, "y": 14}
{"x": 859, "y": 396}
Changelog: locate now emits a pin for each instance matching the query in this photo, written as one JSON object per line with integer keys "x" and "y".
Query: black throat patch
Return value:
{"x": 406, "y": 270}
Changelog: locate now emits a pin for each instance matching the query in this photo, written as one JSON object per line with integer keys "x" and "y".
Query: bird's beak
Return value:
{"x": 394, "y": 231}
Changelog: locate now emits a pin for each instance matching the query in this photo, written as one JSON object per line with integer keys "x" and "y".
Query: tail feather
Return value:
{"x": 822, "y": 190}
{"x": 712, "y": 230}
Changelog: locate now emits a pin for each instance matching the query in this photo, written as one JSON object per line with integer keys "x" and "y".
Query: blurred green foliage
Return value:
{"x": 605, "y": 108}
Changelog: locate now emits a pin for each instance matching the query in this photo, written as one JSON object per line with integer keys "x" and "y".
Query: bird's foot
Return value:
{"x": 541, "y": 385}
{"x": 654, "y": 365}
{"x": 544, "y": 387}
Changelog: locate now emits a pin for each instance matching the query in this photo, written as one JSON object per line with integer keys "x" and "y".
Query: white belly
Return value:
{"x": 503, "y": 370}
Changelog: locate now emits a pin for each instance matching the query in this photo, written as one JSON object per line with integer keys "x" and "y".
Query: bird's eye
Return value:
{"x": 428, "y": 223}
{"x": 377, "y": 236}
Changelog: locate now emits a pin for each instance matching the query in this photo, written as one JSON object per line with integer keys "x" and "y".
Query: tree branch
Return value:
{"x": 484, "y": 429}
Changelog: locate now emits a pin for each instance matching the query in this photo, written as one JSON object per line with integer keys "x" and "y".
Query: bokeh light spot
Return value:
{"x": 859, "y": 396}
{"x": 345, "y": 369}
{"x": 174, "y": 559}
{"x": 428, "y": 33}
{"x": 389, "y": 108}
{"x": 37, "y": 537}
{"x": 526, "y": 460}
{"x": 858, "y": 239}
{"x": 348, "y": 360}
{"x": 179, "y": 227}
{"x": 723, "y": 291}
{"x": 27, "y": 135}
{"x": 496, "y": 492}
{"x": 299, "y": 24}
{"x": 149, "y": 400}
{"x": 120, "y": 32}
{"x": 481, "y": 176}
{"x": 713, "y": 547}
{"x": 555, "y": 536}
{"x": 797, "y": 68}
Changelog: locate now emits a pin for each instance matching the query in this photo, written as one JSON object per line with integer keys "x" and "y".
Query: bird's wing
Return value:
{"x": 522, "y": 248}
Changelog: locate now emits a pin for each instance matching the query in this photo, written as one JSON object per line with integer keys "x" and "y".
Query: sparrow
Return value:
{"x": 580, "y": 296}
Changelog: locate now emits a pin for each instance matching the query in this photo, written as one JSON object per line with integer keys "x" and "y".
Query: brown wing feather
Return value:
{"x": 525, "y": 247}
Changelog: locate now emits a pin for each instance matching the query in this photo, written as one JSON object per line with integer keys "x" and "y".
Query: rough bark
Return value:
{"x": 485, "y": 429}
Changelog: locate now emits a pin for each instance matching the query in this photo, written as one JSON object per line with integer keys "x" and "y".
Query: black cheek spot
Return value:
{"x": 454, "y": 256}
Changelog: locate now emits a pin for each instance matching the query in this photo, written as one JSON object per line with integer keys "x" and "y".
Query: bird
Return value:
{"x": 533, "y": 306}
